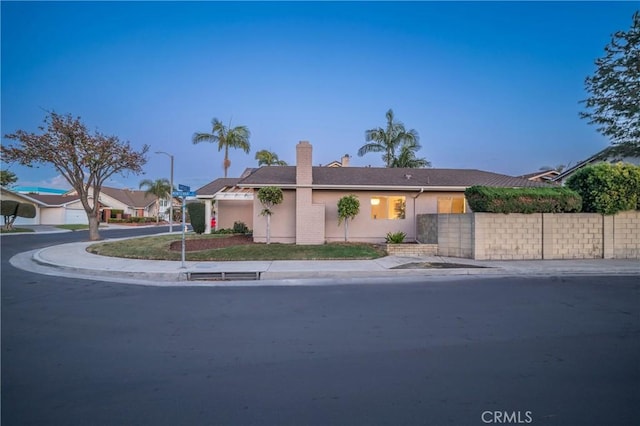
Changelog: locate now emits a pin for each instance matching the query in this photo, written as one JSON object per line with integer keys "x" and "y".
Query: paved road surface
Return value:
{"x": 79, "y": 352}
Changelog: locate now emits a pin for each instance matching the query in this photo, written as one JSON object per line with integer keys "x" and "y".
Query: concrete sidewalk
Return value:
{"x": 73, "y": 260}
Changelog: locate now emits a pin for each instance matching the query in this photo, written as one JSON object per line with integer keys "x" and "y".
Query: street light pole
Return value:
{"x": 171, "y": 195}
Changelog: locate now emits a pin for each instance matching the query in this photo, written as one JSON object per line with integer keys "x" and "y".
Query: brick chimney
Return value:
{"x": 304, "y": 168}
{"x": 309, "y": 216}
{"x": 345, "y": 160}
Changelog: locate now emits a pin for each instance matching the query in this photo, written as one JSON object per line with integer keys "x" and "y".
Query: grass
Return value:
{"x": 14, "y": 230}
{"x": 157, "y": 248}
{"x": 75, "y": 227}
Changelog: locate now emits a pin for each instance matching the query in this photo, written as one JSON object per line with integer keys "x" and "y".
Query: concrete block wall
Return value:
{"x": 572, "y": 236}
{"x": 455, "y": 235}
{"x": 507, "y": 237}
{"x": 490, "y": 236}
{"x": 412, "y": 250}
{"x": 626, "y": 239}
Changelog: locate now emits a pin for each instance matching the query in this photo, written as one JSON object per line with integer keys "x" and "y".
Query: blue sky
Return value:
{"x": 488, "y": 85}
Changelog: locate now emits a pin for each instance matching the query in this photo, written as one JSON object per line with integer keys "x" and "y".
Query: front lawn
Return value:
{"x": 14, "y": 230}
{"x": 157, "y": 248}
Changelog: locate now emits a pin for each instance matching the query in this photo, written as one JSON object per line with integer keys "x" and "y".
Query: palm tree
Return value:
{"x": 407, "y": 156}
{"x": 225, "y": 137}
{"x": 160, "y": 188}
{"x": 388, "y": 140}
{"x": 269, "y": 158}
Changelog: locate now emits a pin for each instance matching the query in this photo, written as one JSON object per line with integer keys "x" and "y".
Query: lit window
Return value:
{"x": 388, "y": 207}
{"x": 451, "y": 205}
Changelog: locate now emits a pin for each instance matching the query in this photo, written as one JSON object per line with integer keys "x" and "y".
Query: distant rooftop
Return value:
{"x": 38, "y": 190}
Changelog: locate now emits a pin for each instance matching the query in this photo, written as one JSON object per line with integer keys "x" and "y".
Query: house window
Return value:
{"x": 388, "y": 207}
{"x": 451, "y": 205}
{"x": 164, "y": 203}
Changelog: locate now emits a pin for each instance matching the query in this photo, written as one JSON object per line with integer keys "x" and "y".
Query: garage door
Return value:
{"x": 75, "y": 217}
{"x": 24, "y": 221}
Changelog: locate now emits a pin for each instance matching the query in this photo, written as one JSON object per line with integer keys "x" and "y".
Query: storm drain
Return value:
{"x": 223, "y": 276}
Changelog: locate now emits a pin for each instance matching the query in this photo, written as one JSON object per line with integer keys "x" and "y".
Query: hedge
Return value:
{"x": 523, "y": 200}
{"x": 196, "y": 214}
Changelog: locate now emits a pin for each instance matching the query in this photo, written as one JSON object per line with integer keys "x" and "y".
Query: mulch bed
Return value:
{"x": 212, "y": 243}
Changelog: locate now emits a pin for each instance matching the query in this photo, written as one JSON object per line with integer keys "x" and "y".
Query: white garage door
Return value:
{"x": 75, "y": 217}
{"x": 24, "y": 221}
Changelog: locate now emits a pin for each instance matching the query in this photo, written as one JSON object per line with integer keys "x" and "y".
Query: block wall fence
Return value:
{"x": 494, "y": 236}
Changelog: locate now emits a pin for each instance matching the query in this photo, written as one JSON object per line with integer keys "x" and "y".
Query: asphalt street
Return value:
{"x": 559, "y": 351}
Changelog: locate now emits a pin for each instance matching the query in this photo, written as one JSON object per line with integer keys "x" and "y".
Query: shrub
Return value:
{"x": 196, "y": 213}
{"x": 223, "y": 231}
{"x": 116, "y": 212}
{"x": 8, "y": 207}
{"x": 607, "y": 188}
{"x": 240, "y": 228}
{"x": 523, "y": 200}
{"x": 395, "y": 237}
{"x": 26, "y": 210}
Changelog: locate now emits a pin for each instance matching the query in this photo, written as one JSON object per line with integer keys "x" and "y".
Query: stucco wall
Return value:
{"x": 366, "y": 229}
{"x": 230, "y": 211}
{"x": 283, "y": 220}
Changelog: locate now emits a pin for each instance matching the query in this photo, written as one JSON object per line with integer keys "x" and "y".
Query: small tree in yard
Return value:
{"x": 348, "y": 209}
{"x": 269, "y": 196}
{"x": 12, "y": 209}
{"x": 86, "y": 160}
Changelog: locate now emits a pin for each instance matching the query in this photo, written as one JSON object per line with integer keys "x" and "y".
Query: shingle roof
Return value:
{"x": 130, "y": 197}
{"x": 213, "y": 187}
{"x": 53, "y": 200}
{"x": 386, "y": 177}
{"x": 549, "y": 174}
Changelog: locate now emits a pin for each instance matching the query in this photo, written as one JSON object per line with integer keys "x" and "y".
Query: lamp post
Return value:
{"x": 171, "y": 195}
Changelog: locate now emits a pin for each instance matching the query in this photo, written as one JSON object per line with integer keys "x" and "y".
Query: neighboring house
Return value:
{"x": 344, "y": 162}
{"x": 66, "y": 209}
{"x": 227, "y": 202}
{"x": 50, "y": 209}
{"x": 38, "y": 190}
{"x": 606, "y": 155}
{"x": 390, "y": 198}
{"x": 541, "y": 176}
{"x": 132, "y": 203}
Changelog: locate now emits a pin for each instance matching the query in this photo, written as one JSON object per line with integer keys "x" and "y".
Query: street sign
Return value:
{"x": 184, "y": 194}
{"x": 184, "y": 188}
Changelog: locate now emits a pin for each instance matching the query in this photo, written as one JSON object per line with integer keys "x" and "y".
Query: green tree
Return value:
{"x": 348, "y": 209}
{"x": 388, "y": 140}
{"x": 7, "y": 178}
{"x": 226, "y": 137}
{"x": 269, "y": 158}
{"x": 12, "y": 209}
{"x": 269, "y": 196}
{"x": 607, "y": 188}
{"x": 159, "y": 188}
{"x": 407, "y": 156}
{"x": 86, "y": 160}
{"x": 614, "y": 88}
